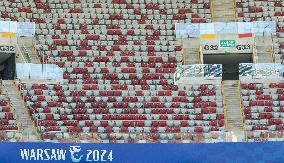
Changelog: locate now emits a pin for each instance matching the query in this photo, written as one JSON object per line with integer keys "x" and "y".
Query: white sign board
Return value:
{"x": 30, "y": 71}
{"x": 196, "y": 29}
{"x": 19, "y": 28}
{"x": 26, "y": 29}
{"x": 226, "y": 44}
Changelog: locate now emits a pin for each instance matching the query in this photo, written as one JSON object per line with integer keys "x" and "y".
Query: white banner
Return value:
{"x": 196, "y": 29}
{"x": 206, "y": 28}
{"x": 245, "y": 27}
{"x": 19, "y": 28}
{"x": 8, "y": 26}
{"x": 26, "y": 29}
{"x": 261, "y": 71}
{"x": 228, "y": 28}
{"x": 30, "y": 71}
{"x": 23, "y": 70}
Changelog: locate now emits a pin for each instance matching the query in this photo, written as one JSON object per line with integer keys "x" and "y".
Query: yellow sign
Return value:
{"x": 8, "y": 35}
{"x": 208, "y": 36}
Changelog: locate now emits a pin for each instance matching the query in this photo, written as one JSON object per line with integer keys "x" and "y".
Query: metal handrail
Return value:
{"x": 25, "y": 106}
{"x": 241, "y": 110}
{"x": 255, "y": 56}
{"x": 26, "y": 53}
{"x": 212, "y": 10}
{"x": 20, "y": 51}
{"x": 201, "y": 55}
{"x": 36, "y": 53}
{"x": 224, "y": 106}
{"x": 183, "y": 56}
{"x": 272, "y": 53}
{"x": 235, "y": 10}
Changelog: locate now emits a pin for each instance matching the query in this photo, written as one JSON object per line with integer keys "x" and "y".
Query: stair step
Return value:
{"x": 234, "y": 117}
{"x": 22, "y": 116}
{"x": 223, "y": 11}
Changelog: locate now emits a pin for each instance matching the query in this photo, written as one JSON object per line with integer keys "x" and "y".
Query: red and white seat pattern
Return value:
{"x": 118, "y": 60}
{"x": 263, "y": 110}
{"x": 265, "y": 10}
{"x": 126, "y": 113}
{"x": 108, "y": 36}
{"x": 8, "y": 125}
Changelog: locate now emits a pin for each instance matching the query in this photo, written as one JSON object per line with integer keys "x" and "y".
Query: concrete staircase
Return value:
{"x": 20, "y": 58}
{"x": 234, "y": 117}
{"x": 33, "y": 56}
{"x": 191, "y": 56}
{"x": 223, "y": 11}
{"x": 264, "y": 49}
{"x": 26, "y": 47}
{"x": 191, "y": 50}
{"x": 22, "y": 116}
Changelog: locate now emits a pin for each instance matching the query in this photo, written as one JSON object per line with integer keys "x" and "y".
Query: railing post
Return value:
{"x": 212, "y": 10}
{"x": 183, "y": 56}
{"x": 235, "y": 10}
{"x": 201, "y": 55}
{"x": 273, "y": 53}
{"x": 241, "y": 111}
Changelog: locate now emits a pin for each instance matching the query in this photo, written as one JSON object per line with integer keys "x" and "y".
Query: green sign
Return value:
{"x": 227, "y": 43}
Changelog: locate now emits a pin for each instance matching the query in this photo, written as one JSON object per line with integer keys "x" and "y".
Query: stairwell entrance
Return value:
{"x": 7, "y": 66}
{"x": 230, "y": 63}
